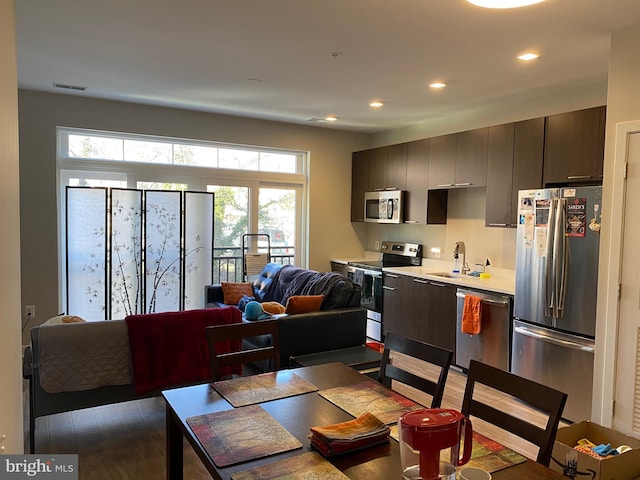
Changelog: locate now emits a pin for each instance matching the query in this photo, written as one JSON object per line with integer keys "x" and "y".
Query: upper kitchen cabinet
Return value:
{"x": 514, "y": 163}
{"x": 528, "y": 157}
{"x": 396, "y": 167}
{"x": 360, "y": 164}
{"x": 383, "y": 168}
{"x": 388, "y": 169}
{"x": 499, "y": 176}
{"x": 574, "y": 147}
{"x": 471, "y": 158}
{"x": 421, "y": 205}
{"x": 442, "y": 161}
{"x": 459, "y": 160}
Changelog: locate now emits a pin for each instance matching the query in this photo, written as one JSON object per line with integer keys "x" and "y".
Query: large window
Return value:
{"x": 256, "y": 190}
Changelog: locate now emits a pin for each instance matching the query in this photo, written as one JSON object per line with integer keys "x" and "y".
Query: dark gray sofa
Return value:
{"x": 340, "y": 323}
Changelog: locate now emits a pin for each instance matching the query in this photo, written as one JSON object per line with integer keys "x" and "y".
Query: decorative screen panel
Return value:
{"x": 126, "y": 249}
{"x": 163, "y": 233}
{"x": 86, "y": 242}
{"x": 135, "y": 251}
{"x": 198, "y": 247}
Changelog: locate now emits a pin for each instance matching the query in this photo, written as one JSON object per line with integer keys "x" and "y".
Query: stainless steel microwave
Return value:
{"x": 384, "y": 206}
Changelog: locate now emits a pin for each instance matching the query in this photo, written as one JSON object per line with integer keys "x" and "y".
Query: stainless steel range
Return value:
{"x": 368, "y": 274}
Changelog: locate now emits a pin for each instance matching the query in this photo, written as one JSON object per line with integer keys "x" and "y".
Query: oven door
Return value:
{"x": 370, "y": 282}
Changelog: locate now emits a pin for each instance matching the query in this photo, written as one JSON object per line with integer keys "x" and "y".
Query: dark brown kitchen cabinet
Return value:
{"x": 437, "y": 318}
{"x": 421, "y": 309}
{"x": 514, "y": 163}
{"x": 471, "y": 158}
{"x": 360, "y": 164}
{"x": 422, "y": 206}
{"x": 499, "y": 176}
{"x": 396, "y": 167}
{"x": 394, "y": 290}
{"x": 459, "y": 160}
{"x": 574, "y": 147}
{"x": 388, "y": 168}
{"x": 442, "y": 161}
{"x": 528, "y": 158}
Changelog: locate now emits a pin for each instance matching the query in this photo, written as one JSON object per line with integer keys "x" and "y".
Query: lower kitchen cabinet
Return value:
{"x": 421, "y": 309}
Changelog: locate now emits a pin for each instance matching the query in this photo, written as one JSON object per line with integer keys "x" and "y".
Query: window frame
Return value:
{"x": 196, "y": 177}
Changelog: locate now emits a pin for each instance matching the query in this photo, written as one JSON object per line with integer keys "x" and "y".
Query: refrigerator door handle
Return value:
{"x": 557, "y": 259}
{"x": 550, "y": 279}
{"x": 554, "y": 340}
{"x": 562, "y": 255}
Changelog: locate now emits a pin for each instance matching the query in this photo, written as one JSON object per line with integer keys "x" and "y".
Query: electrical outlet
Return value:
{"x": 377, "y": 245}
{"x": 436, "y": 252}
{"x": 30, "y": 311}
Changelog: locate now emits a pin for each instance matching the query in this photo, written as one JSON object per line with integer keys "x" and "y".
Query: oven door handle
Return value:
{"x": 372, "y": 273}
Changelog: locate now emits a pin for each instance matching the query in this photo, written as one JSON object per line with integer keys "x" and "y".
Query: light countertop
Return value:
{"x": 500, "y": 280}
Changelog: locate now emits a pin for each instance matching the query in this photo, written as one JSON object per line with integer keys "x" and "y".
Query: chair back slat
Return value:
{"x": 546, "y": 400}
{"x": 436, "y": 356}
{"x": 239, "y": 331}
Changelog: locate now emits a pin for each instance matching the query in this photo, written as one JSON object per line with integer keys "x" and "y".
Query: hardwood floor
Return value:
{"x": 127, "y": 440}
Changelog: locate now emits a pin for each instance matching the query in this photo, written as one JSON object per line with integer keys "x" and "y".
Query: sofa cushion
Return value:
{"x": 234, "y": 291}
{"x": 303, "y": 304}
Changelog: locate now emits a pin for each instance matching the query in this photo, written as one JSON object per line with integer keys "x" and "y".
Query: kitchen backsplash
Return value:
{"x": 465, "y": 222}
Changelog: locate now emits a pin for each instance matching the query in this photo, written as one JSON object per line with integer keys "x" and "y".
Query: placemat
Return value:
{"x": 370, "y": 397}
{"x": 492, "y": 456}
{"x": 243, "y": 391}
{"x": 486, "y": 454}
{"x": 241, "y": 434}
{"x": 306, "y": 466}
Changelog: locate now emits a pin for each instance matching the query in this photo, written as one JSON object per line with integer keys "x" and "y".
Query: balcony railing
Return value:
{"x": 227, "y": 261}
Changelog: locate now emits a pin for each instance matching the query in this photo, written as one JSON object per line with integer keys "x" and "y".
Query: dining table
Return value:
{"x": 296, "y": 414}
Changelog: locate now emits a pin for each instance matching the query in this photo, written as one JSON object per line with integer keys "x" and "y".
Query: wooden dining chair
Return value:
{"x": 238, "y": 331}
{"x": 546, "y": 400}
{"x": 437, "y": 358}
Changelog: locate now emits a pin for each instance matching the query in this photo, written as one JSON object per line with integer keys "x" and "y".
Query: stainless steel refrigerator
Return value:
{"x": 558, "y": 241}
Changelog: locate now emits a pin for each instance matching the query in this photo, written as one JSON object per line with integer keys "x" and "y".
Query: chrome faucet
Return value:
{"x": 459, "y": 259}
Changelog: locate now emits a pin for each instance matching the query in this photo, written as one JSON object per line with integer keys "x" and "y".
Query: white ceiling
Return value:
{"x": 272, "y": 59}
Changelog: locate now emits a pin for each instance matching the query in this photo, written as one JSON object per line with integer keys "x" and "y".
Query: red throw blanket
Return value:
{"x": 170, "y": 348}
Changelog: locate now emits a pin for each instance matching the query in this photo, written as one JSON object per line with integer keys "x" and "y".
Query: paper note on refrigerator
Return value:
{"x": 529, "y": 232}
{"x": 541, "y": 241}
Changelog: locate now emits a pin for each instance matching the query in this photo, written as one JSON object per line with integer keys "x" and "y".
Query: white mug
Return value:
{"x": 472, "y": 473}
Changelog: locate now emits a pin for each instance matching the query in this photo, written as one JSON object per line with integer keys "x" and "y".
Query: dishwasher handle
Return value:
{"x": 494, "y": 300}
{"x": 554, "y": 340}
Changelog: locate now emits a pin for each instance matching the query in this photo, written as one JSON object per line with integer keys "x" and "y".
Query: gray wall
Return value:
{"x": 330, "y": 230}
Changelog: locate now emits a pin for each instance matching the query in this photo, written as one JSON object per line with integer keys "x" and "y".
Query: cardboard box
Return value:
{"x": 625, "y": 466}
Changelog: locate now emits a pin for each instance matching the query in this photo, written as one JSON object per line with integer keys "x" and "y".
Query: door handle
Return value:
{"x": 391, "y": 289}
{"x": 554, "y": 340}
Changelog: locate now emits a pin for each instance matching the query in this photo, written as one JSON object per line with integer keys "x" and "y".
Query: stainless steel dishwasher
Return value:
{"x": 493, "y": 344}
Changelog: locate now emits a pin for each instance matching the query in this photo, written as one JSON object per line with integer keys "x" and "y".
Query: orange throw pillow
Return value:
{"x": 274, "y": 308}
{"x": 303, "y": 304}
{"x": 233, "y": 291}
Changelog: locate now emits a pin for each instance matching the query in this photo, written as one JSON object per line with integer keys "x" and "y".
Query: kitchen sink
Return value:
{"x": 446, "y": 275}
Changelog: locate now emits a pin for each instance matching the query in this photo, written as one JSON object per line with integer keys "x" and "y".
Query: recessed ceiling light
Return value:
{"x": 437, "y": 85}
{"x": 376, "y": 104}
{"x": 528, "y": 56}
{"x": 504, "y": 3}
{"x": 331, "y": 118}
